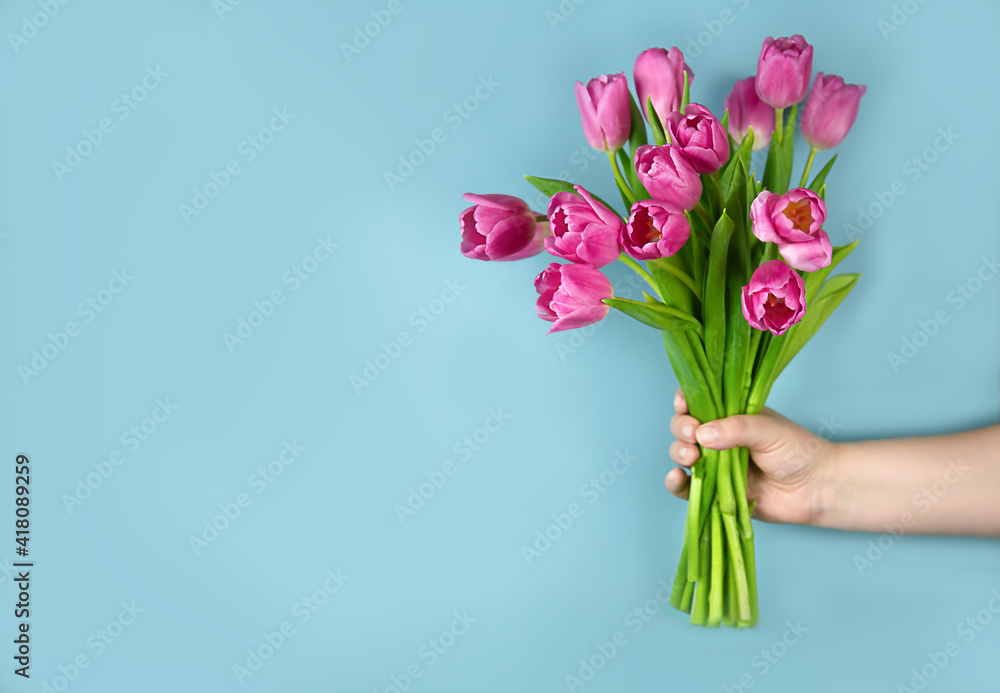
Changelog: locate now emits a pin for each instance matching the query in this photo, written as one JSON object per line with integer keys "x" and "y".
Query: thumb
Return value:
{"x": 759, "y": 433}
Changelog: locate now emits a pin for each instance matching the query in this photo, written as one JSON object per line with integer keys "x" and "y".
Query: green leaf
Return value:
{"x": 551, "y": 186}
{"x": 656, "y": 314}
{"x": 659, "y": 137}
{"x": 821, "y": 176}
{"x": 815, "y": 280}
{"x": 780, "y": 155}
{"x": 742, "y": 154}
{"x": 686, "y": 96}
{"x": 833, "y": 292}
{"x": 738, "y": 334}
{"x": 714, "y": 310}
{"x": 725, "y": 121}
{"x": 675, "y": 292}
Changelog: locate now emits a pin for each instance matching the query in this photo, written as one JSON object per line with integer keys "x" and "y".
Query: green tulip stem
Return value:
{"x": 779, "y": 124}
{"x": 627, "y": 191}
{"x": 641, "y": 271}
{"x": 809, "y": 163}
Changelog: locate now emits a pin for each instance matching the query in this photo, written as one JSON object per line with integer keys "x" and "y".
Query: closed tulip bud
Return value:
{"x": 655, "y": 229}
{"x": 700, "y": 137}
{"x": 783, "y": 71}
{"x": 571, "y": 296}
{"x": 746, "y": 110}
{"x": 604, "y": 111}
{"x": 659, "y": 75}
{"x": 500, "y": 227}
{"x": 830, "y": 111}
{"x": 668, "y": 176}
{"x": 794, "y": 222}
{"x": 775, "y": 299}
{"x": 583, "y": 229}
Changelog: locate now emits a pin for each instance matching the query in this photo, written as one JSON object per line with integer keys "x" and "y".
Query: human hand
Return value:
{"x": 790, "y": 472}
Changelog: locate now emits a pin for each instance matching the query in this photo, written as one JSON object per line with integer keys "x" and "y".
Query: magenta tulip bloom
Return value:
{"x": 655, "y": 229}
{"x": 571, "y": 296}
{"x": 500, "y": 227}
{"x": 746, "y": 110}
{"x": 700, "y": 137}
{"x": 783, "y": 71}
{"x": 775, "y": 299}
{"x": 583, "y": 229}
{"x": 659, "y": 75}
{"x": 604, "y": 110}
{"x": 668, "y": 175}
{"x": 830, "y": 111}
{"x": 794, "y": 222}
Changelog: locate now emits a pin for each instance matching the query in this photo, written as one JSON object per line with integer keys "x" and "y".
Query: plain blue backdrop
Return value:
{"x": 340, "y": 263}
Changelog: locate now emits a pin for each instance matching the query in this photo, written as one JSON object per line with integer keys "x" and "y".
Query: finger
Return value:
{"x": 684, "y": 454}
{"x": 677, "y": 482}
{"x": 680, "y": 404}
{"x": 759, "y": 433}
{"x": 683, "y": 427}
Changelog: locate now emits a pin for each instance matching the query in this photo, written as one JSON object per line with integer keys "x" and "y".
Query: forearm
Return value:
{"x": 946, "y": 484}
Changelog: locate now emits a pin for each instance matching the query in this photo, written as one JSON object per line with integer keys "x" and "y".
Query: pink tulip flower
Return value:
{"x": 830, "y": 111}
{"x": 571, "y": 296}
{"x": 604, "y": 111}
{"x": 667, "y": 175}
{"x": 746, "y": 110}
{"x": 659, "y": 74}
{"x": 783, "y": 71}
{"x": 794, "y": 222}
{"x": 775, "y": 298}
{"x": 583, "y": 229}
{"x": 700, "y": 137}
{"x": 500, "y": 227}
{"x": 655, "y": 229}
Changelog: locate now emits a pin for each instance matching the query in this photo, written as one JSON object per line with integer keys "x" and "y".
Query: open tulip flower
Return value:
{"x": 738, "y": 267}
{"x": 794, "y": 222}
{"x": 700, "y": 138}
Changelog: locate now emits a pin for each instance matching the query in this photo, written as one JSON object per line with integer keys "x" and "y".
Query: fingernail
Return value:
{"x": 677, "y": 401}
{"x": 685, "y": 453}
{"x": 709, "y": 433}
{"x": 688, "y": 431}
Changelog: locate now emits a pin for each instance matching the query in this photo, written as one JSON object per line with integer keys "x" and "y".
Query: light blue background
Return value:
{"x": 333, "y": 507}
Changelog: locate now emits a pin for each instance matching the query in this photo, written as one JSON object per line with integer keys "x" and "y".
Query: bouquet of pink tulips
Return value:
{"x": 738, "y": 268}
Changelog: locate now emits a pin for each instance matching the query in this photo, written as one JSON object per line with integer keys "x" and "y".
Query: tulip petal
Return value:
{"x": 808, "y": 256}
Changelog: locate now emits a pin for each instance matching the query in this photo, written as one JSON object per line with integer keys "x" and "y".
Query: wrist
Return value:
{"x": 829, "y": 505}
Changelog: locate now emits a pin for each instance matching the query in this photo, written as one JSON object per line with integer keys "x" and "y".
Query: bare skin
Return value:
{"x": 947, "y": 484}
